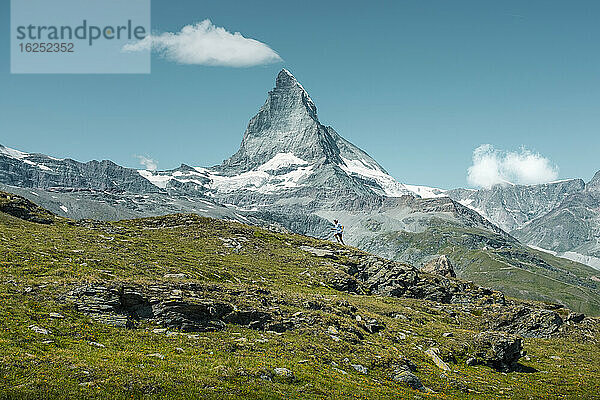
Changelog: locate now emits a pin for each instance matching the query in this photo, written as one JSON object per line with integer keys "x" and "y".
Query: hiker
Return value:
{"x": 339, "y": 230}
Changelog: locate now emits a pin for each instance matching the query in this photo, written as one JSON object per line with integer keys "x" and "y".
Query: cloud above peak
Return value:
{"x": 147, "y": 162}
{"x": 523, "y": 167}
{"x": 207, "y": 44}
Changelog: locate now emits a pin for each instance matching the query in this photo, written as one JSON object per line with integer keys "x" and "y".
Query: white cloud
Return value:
{"x": 148, "y": 163}
{"x": 492, "y": 167}
{"x": 207, "y": 44}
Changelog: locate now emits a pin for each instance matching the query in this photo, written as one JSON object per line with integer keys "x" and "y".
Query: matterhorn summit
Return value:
{"x": 286, "y": 141}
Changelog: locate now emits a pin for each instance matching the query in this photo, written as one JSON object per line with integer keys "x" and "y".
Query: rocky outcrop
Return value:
{"x": 440, "y": 266}
{"x": 182, "y": 307}
{"x": 22, "y": 208}
{"x": 525, "y": 321}
{"x": 383, "y": 277}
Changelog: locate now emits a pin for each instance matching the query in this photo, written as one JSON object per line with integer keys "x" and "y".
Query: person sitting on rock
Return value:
{"x": 339, "y": 230}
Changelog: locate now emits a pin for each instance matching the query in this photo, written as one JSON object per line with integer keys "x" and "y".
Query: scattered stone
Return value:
{"x": 434, "y": 354}
{"x": 318, "y": 252}
{"x": 440, "y": 266}
{"x": 159, "y": 330}
{"x": 360, "y": 368}
{"x": 448, "y": 334}
{"x": 96, "y": 344}
{"x": 373, "y": 326}
{"x": 284, "y": 374}
{"x": 39, "y": 330}
{"x": 471, "y": 361}
{"x": 332, "y": 330}
{"x": 179, "y": 350}
{"x": 56, "y": 315}
{"x": 176, "y": 276}
{"x": 157, "y": 355}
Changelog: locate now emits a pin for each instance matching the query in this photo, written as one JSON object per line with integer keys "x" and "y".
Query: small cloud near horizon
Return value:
{"x": 523, "y": 167}
{"x": 148, "y": 163}
{"x": 207, "y": 44}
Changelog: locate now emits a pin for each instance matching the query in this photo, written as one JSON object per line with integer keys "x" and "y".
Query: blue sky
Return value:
{"x": 417, "y": 84}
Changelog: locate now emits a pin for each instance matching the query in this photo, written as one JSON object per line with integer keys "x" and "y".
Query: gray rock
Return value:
{"x": 434, "y": 353}
{"x": 440, "y": 266}
{"x": 498, "y": 350}
{"x": 526, "y": 322}
{"x": 41, "y": 331}
{"x": 512, "y": 206}
{"x": 284, "y": 374}
{"x": 176, "y": 276}
{"x": 374, "y": 326}
{"x": 411, "y": 380}
{"x": 360, "y": 368}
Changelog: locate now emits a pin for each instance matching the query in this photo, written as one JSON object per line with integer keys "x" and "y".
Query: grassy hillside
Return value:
{"x": 54, "y": 344}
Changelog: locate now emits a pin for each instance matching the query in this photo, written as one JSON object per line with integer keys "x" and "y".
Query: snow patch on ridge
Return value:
{"x": 22, "y": 156}
{"x": 263, "y": 179}
{"x": 281, "y": 160}
{"x": 426, "y": 192}
{"x": 156, "y": 179}
{"x": 12, "y": 153}
{"x": 390, "y": 186}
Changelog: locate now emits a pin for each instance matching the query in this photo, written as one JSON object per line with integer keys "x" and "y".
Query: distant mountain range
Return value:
{"x": 561, "y": 217}
{"x": 291, "y": 172}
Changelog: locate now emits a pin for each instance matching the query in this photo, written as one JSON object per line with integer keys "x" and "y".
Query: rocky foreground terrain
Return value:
{"x": 183, "y": 306}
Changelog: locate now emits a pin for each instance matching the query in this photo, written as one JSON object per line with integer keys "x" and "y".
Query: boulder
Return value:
{"x": 498, "y": 350}
{"x": 575, "y": 317}
{"x": 440, "y": 266}
{"x": 434, "y": 353}
{"x": 409, "y": 379}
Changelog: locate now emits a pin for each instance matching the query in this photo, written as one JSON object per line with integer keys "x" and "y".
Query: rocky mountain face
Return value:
{"x": 512, "y": 206}
{"x": 43, "y": 172}
{"x": 287, "y": 153}
{"x": 571, "y": 229}
{"x": 594, "y": 184}
{"x": 560, "y": 217}
{"x": 292, "y": 172}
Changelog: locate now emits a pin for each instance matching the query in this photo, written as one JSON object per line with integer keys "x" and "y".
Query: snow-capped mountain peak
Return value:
{"x": 12, "y": 153}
